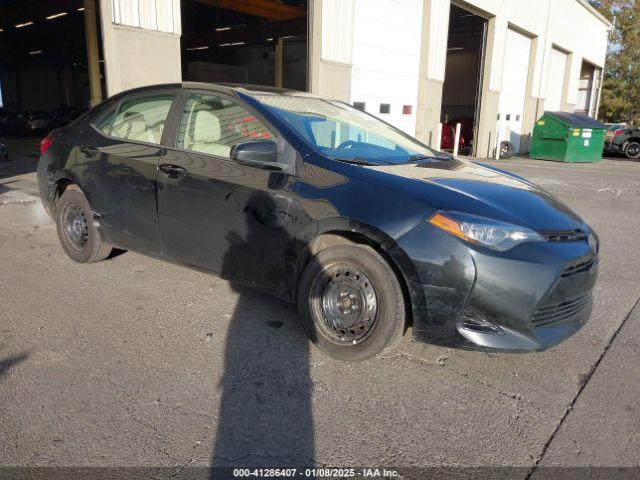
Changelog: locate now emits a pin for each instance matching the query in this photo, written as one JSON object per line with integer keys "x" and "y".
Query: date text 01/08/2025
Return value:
{"x": 314, "y": 472}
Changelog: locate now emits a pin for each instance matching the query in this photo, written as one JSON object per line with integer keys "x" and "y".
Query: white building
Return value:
{"x": 501, "y": 62}
{"x": 493, "y": 65}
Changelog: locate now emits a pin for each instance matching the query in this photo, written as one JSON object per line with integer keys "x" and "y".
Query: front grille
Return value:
{"x": 563, "y": 235}
{"x": 580, "y": 266}
{"x": 552, "y": 314}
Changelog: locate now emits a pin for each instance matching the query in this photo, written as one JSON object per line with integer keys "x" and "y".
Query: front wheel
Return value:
{"x": 77, "y": 231}
{"x": 632, "y": 150}
{"x": 350, "y": 302}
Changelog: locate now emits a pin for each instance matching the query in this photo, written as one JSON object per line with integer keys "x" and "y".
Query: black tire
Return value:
{"x": 77, "y": 232}
{"x": 506, "y": 150}
{"x": 378, "y": 307}
{"x": 632, "y": 149}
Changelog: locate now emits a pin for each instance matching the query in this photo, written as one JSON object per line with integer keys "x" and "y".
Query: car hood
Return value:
{"x": 457, "y": 185}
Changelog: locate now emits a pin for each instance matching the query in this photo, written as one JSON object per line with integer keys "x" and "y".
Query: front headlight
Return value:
{"x": 490, "y": 233}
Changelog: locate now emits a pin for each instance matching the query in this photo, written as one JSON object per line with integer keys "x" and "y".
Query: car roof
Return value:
{"x": 222, "y": 87}
{"x": 228, "y": 88}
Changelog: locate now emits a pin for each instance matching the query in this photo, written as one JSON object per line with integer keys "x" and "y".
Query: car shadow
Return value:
{"x": 116, "y": 252}
{"x": 8, "y": 362}
{"x": 619, "y": 157}
{"x": 265, "y": 414}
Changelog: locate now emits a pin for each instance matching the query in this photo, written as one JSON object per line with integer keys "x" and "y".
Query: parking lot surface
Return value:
{"x": 137, "y": 362}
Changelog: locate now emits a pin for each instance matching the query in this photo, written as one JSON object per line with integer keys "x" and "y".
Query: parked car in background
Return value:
{"x": 615, "y": 126}
{"x": 3, "y": 117}
{"x": 365, "y": 228}
{"x": 28, "y": 122}
{"x": 611, "y": 129}
{"x": 623, "y": 140}
{"x": 4, "y": 151}
{"x": 63, "y": 116}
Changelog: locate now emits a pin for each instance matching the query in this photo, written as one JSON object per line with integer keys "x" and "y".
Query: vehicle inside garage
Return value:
{"x": 46, "y": 71}
{"x": 462, "y": 84}
{"x": 260, "y": 42}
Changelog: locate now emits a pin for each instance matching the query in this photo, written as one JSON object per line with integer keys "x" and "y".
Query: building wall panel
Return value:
{"x": 565, "y": 23}
{"x": 386, "y": 58}
{"x": 148, "y": 14}
{"x": 438, "y": 29}
{"x": 136, "y": 56}
{"x": 337, "y": 30}
{"x": 167, "y": 20}
{"x": 157, "y": 15}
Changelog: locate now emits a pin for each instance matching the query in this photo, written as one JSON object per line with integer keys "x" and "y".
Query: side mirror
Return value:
{"x": 259, "y": 153}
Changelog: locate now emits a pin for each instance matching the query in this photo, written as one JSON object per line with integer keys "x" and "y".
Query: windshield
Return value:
{"x": 344, "y": 133}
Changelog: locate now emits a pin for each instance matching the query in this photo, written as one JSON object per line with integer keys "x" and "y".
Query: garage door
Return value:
{"x": 555, "y": 85}
{"x": 514, "y": 87}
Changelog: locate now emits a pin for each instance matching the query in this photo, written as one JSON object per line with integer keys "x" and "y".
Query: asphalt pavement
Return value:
{"x": 137, "y": 362}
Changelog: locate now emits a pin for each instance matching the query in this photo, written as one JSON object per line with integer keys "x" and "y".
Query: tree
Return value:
{"x": 621, "y": 86}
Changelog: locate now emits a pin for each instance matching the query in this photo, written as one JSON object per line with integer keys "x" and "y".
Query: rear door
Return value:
{"x": 118, "y": 158}
{"x": 215, "y": 213}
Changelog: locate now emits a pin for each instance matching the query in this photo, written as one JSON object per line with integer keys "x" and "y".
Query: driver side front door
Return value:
{"x": 215, "y": 213}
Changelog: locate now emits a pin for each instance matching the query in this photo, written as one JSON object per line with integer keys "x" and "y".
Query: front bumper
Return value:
{"x": 527, "y": 299}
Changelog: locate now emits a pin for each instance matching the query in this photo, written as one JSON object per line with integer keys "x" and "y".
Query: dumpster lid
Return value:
{"x": 577, "y": 120}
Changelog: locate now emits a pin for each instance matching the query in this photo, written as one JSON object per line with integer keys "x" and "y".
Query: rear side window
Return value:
{"x": 104, "y": 124}
{"x": 212, "y": 125}
{"x": 140, "y": 119}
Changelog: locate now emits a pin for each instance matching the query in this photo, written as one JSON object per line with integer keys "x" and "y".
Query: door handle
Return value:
{"x": 172, "y": 171}
{"x": 89, "y": 150}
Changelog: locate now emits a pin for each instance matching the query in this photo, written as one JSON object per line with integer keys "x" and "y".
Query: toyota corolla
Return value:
{"x": 367, "y": 230}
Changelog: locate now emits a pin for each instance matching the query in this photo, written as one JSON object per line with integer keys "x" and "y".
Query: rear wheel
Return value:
{"x": 632, "y": 150}
{"x": 77, "y": 232}
{"x": 350, "y": 302}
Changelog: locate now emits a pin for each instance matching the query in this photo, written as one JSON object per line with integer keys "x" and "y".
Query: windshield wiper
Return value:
{"x": 357, "y": 161}
{"x": 419, "y": 156}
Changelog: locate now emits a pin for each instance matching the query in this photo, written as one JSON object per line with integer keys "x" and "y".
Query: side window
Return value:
{"x": 142, "y": 119}
{"x": 213, "y": 125}
{"x": 104, "y": 124}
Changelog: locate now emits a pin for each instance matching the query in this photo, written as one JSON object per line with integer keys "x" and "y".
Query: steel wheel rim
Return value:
{"x": 75, "y": 227}
{"x": 344, "y": 300}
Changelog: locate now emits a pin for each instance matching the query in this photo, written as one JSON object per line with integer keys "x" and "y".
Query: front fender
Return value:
{"x": 446, "y": 273}
{"x": 358, "y": 232}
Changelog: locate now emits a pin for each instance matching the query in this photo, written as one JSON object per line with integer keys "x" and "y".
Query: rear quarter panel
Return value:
{"x": 57, "y": 164}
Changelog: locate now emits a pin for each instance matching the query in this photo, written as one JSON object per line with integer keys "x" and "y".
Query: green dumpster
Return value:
{"x": 567, "y": 137}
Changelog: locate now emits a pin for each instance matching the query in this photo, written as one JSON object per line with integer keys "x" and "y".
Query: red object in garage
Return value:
{"x": 449, "y": 133}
